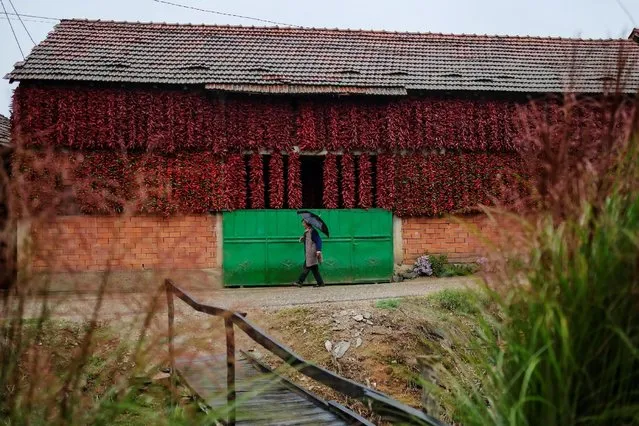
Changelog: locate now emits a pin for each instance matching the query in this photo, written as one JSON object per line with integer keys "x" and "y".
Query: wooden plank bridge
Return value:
{"x": 246, "y": 392}
{"x": 263, "y": 398}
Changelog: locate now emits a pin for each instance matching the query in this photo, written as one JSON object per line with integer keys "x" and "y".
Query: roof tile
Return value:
{"x": 249, "y": 56}
{"x": 5, "y": 130}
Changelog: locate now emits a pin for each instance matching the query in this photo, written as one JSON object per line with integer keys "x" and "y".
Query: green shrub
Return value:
{"x": 387, "y": 304}
{"x": 458, "y": 270}
{"x": 438, "y": 263}
{"x": 458, "y": 301}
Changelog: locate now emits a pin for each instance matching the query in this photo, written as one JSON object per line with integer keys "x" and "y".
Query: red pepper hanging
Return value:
{"x": 406, "y": 181}
{"x": 351, "y": 129}
{"x": 402, "y": 137}
{"x": 331, "y": 190}
{"x": 45, "y": 126}
{"x": 172, "y": 120}
{"x": 294, "y": 182}
{"x": 195, "y": 182}
{"x": 332, "y": 127}
{"x": 106, "y": 129}
{"x": 256, "y": 177}
{"x": 95, "y": 119}
{"x": 392, "y": 127}
{"x": 320, "y": 117}
{"x": 235, "y": 182}
{"x": 278, "y": 124}
{"x": 306, "y": 137}
{"x": 120, "y": 116}
{"x": 386, "y": 181}
{"x": 18, "y": 119}
{"x": 141, "y": 106}
{"x": 365, "y": 191}
{"x": 154, "y": 174}
{"x": 254, "y": 125}
{"x": 416, "y": 125}
{"x": 430, "y": 185}
{"x": 215, "y": 175}
{"x": 58, "y": 130}
{"x": 211, "y": 123}
{"x": 348, "y": 181}
{"x": 276, "y": 181}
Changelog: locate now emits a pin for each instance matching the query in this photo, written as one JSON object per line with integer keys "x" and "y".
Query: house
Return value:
{"x": 213, "y": 135}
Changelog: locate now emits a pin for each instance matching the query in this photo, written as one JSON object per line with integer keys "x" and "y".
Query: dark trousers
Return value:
{"x": 315, "y": 270}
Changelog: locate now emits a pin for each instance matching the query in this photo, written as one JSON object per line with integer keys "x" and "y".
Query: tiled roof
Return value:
{"x": 252, "y": 57}
{"x": 5, "y": 126}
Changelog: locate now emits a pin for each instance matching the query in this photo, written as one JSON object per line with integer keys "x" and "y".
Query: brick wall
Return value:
{"x": 88, "y": 243}
{"x": 463, "y": 239}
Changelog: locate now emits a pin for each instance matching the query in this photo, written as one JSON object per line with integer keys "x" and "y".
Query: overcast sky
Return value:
{"x": 566, "y": 18}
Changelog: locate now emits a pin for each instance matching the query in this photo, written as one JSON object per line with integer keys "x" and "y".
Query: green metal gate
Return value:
{"x": 261, "y": 247}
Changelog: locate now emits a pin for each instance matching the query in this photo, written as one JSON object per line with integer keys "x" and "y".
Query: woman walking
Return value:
{"x": 312, "y": 255}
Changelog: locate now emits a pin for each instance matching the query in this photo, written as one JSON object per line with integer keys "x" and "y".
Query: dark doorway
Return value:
{"x": 312, "y": 181}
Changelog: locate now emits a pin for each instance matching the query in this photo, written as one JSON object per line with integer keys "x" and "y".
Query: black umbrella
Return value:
{"x": 314, "y": 220}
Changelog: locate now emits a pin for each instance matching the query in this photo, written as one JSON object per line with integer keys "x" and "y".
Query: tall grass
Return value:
{"x": 564, "y": 348}
{"x": 86, "y": 371}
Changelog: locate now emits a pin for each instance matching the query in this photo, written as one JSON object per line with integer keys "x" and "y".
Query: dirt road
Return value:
{"x": 117, "y": 305}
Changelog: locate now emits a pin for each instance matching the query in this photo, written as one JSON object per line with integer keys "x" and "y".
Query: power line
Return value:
{"x": 26, "y": 19}
{"x": 224, "y": 13}
{"x": 35, "y": 16}
{"x": 627, "y": 12}
{"x": 12, "y": 30}
{"x": 20, "y": 18}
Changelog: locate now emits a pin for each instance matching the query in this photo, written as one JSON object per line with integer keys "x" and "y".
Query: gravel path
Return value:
{"x": 291, "y": 296}
{"x": 118, "y": 305}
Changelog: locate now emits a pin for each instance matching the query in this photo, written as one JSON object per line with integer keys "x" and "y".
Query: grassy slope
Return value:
{"x": 402, "y": 330}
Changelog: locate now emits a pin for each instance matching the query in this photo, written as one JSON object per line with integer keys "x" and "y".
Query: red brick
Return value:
{"x": 83, "y": 243}
{"x": 465, "y": 239}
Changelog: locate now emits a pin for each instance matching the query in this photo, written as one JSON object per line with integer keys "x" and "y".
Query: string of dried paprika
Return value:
{"x": 365, "y": 183}
{"x": 330, "y": 196}
{"x": 256, "y": 181}
{"x": 294, "y": 181}
{"x": 348, "y": 181}
{"x": 385, "y": 181}
{"x": 276, "y": 181}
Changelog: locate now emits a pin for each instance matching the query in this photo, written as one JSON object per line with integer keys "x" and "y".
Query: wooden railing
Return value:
{"x": 383, "y": 406}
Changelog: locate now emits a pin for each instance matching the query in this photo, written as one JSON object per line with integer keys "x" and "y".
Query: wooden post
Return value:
{"x": 171, "y": 312}
{"x": 428, "y": 365}
{"x": 230, "y": 369}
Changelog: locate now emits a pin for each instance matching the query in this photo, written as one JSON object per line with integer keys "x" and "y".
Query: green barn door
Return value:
{"x": 261, "y": 247}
